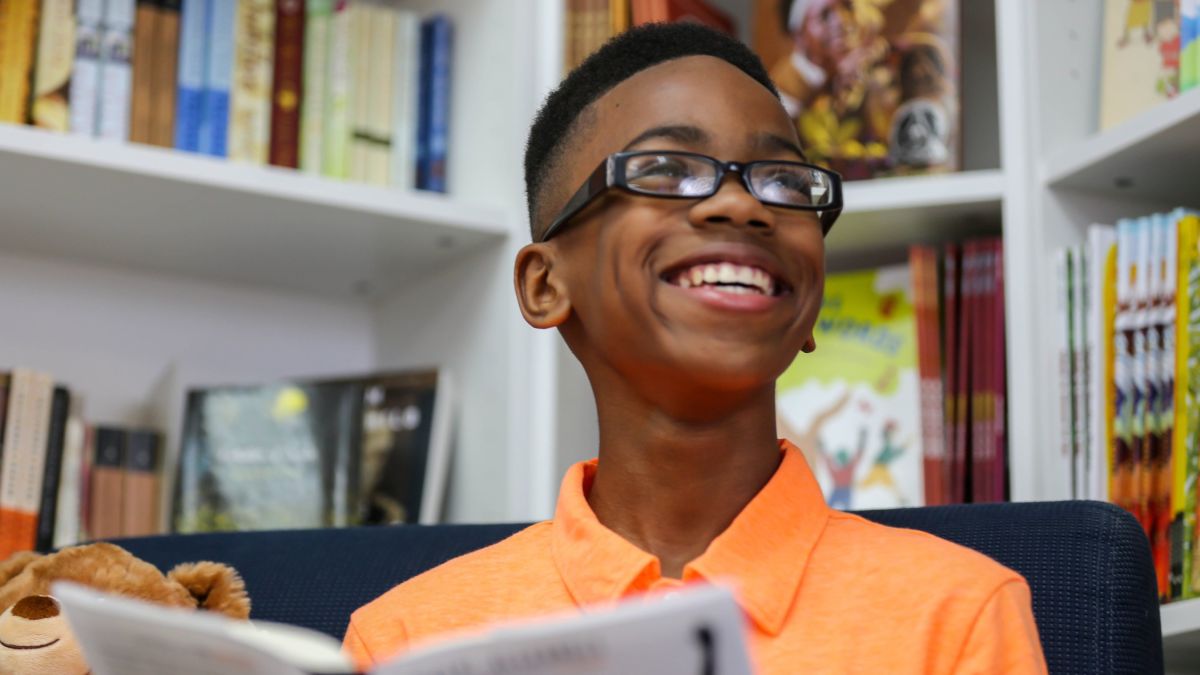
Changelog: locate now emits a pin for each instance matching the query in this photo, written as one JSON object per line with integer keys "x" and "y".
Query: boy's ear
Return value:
{"x": 541, "y": 289}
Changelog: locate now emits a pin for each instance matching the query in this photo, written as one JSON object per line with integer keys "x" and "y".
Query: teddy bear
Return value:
{"x": 35, "y": 638}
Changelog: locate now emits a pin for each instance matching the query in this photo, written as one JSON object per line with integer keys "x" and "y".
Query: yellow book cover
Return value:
{"x": 1186, "y": 454}
{"x": 55, "y": 58}
{"x": 18, "y": 28}
{"x": 253, "y": 70}
{"x": 618, "y": 16}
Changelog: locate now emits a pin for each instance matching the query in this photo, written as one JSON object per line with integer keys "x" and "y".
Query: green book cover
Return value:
{"x": 854, "y": 404}
{"x": 316, "y": 63}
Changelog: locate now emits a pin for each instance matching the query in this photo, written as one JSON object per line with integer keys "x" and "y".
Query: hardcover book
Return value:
{"x": 407, "y": 58}
{"x": 218, "y": 78}
{"x": 26, "y": 429}
{"x": 1141, "y": 57}
{"x": 55, "y": 58}
{"x": 318, "y": 14}
{"x": 189, "y": 102}
{"x": 854, "y": 406}
{"x": 165, "y": 69}
{"x": 106, "y": 491}
{"x": 116, "y": 74}
{"x": 335, "y": 146}
{"x": 141, "y": 106}
{"x": 47, "y": 515}
{"x": 882, "y": 97}
{"x": 437, "y": 36}
{"x": 85, "y": 77}
{"x": 287, "y": 83}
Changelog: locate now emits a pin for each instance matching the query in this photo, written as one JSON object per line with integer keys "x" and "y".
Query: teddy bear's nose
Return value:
{"x": 36, "y": 607}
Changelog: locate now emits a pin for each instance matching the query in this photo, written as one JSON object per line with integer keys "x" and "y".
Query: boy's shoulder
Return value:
{"x": 481, "y": 578}
{"x": 910, "y": 557}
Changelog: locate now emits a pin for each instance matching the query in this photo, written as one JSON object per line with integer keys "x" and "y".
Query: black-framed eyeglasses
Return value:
{"x": 688, "y": 175}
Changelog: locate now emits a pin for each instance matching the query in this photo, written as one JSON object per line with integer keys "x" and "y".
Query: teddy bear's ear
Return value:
{"x": 15, "y": 564}
{"x": 216, "y": 587}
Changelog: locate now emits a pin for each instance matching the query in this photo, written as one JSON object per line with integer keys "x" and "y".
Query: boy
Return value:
{"x": 685, "y": 285}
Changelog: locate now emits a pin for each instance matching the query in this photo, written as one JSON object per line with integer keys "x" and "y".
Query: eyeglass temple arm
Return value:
{"x": 593, "y": 187}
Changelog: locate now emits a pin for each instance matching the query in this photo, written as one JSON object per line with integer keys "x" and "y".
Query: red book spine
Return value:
{"x": 966, "y": 334}
{"x": 950, "y": 321}
{"x": 286, "y": 89}
{"x": 1000, "y": 386}
{"x": 923, "y": 267}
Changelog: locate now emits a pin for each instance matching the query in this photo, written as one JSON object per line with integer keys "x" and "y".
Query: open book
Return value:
{"x": 698, "y": 631}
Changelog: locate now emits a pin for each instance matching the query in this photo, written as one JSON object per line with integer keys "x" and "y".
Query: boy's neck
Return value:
{"x": 669, "y": 485}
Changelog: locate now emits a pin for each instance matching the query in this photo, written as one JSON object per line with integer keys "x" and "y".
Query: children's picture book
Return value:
{"x": 1141, "y": 52}
{"x": 871, "y": 84}
{"x": 697, "y": 630}
{"x": 322, "y": 453}
{"x": 854, "y": 406}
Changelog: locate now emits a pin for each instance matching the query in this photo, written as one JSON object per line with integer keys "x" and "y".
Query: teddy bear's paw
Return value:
{"x": 216, "y": 587}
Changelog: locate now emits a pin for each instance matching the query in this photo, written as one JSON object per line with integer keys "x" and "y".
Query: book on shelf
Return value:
{"x": 18, "y": 46}
{"x": 52, "y": 468}
{"x": 437, "y": 35}
{"x": 287, "y": 87}
{"x": 896, "y": 111}
{"x": 1136, "y": 414}
{"x": 406, "y": 89}
{"x": 164, "y": 73}
{"x": 317, "y": 453}
{"x": 52, "y": 74}
{"x": 250, "y": 90}
{"x": 141, "y": 104}
{"x": 189, "y": 81}
{"x": 1141, "y": 57}
{"x": 1189, "y": 44}
{"x": 26, "y": 430}
{"x": 218, "y": 78}
{"x": 85, "y": 73}
{"x": 697, "y": 630}
{"x": 116, "y": 70}
{"x": 905, "y": 402}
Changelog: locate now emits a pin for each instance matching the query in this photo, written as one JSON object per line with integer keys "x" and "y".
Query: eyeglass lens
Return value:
{"x": 692, "y": 176}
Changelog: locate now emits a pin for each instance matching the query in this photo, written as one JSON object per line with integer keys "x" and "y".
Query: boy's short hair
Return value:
{"x": 619, "y": 59}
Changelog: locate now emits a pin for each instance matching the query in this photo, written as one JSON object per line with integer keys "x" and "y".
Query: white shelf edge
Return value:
{"x": 434, "y": 208}
{"x": 914, "y": 192}
{"x": 1180, "y": 618}
{"x": 1084, "y": 154}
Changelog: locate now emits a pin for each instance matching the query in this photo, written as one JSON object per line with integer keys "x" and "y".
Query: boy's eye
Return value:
{"x": 669, "y": 175}
{"x": 788, "y": 186}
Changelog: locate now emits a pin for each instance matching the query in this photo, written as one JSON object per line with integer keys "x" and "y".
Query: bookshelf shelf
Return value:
{"x": 1154, "y": 156}
{"x": 1181, "y": 632}
{"x": 889, "y": 213}
{"x": 160, "y": 210}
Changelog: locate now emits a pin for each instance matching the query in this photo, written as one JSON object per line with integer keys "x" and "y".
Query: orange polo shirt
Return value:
{"x": 823, "y": 591}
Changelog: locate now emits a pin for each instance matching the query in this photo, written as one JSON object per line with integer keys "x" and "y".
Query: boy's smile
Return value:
{"x": 719, "y": 292}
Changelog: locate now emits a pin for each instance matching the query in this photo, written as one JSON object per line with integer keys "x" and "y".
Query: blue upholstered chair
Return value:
{"x": 1087, "y": 563}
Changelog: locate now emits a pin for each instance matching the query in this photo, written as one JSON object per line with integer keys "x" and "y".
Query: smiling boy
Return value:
{"x": 679, "y": 250}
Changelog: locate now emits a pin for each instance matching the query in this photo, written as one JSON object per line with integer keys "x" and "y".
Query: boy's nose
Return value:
{"x": 733, "y": 205}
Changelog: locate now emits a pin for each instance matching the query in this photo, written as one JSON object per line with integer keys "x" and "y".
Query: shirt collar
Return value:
{"x": 763, "y": 552}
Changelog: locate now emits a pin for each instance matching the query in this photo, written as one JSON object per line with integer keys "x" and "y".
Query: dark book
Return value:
{"x": 107, "y": 484}
{"x": 52, "y": 469}
{"x": 437, "y": 35}
{"x": 4, "y": 383}
{"x": 287, "y": 87}
{"x": 348, "y": 451}
{"x": 140, "y": 484}
{"x": 141, "y": 102}
{"x": 165, "y": 71}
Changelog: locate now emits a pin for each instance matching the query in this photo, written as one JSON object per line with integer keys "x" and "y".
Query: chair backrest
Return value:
{"x": 1087, "y": 563}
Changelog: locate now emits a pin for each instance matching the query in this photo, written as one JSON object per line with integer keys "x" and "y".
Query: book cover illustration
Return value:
{"x": 854, "y": 406}
{"x": 271, "y": 457}
{"x": 55, "y": 59}
{"x": 871, "y": 84}
{"x": 1141, "y": 44}
{"x": 1189, "y": 44}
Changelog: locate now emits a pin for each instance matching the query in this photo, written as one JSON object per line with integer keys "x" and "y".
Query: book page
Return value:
{"x": 690, "y": 632}
{"x": 120, "y": 636}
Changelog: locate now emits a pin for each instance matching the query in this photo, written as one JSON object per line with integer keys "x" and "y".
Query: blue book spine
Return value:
{"x": 423, "y": 93}
{"x": 189, "y": 104}
{"x": 441, "y": 51}
{"x": 218, "y": 77}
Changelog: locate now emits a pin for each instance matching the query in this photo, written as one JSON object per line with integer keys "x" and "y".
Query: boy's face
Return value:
{"x": 612, "y": 280}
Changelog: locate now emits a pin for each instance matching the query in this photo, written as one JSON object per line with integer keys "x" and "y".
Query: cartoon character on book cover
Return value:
{"x": 871, "y": 84}
{"x": 1141, "y": 49}
{"x": 854, "y": 406}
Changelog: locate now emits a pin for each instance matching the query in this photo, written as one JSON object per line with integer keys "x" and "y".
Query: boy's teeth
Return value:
{"x": 732, "y": 278}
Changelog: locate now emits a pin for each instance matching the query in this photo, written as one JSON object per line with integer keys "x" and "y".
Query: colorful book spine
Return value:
{"x": 431, "y": 168}
{"x": 218, "y": 78}
{"x": 47, "y": 515}
{"x": 116, "y": 74}
{"x": 318, "y": 14}
{"x": 1000, "y": 391}
{"x": 335, "y": 147}
{"x": 55, "y": 60}
{"x": 18, "y": 30}
{"x": 141, "y": 106}
{"x": 85, "y": 75}
{"x": 1189, "y": 41}
{"x": 287, "y": 83}
{"x": 1101, "y": 241}
{"x": 967, "y": 334}
{"x": 406, "y": 90}
{"x": 362, "y": 80}
{"x": 189, "y": 102}
{"x": 923, "y": 265}
{"x": 165, "y": 72}
{"x": 250, "y": 97}
{"x": 950, "y": 293}
{"x": 1187, "y": 405}
{"x": 381, "y": 98}
{"x": 25, "y": 439}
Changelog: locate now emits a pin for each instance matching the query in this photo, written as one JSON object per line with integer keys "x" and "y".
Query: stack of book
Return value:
{"x": 903, "y": 402}
{"x": 63, "y": 481}
{"x": 340, "y": 88}
{"x": 1129, "y": 371}
{"x": 590, "y": 23}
